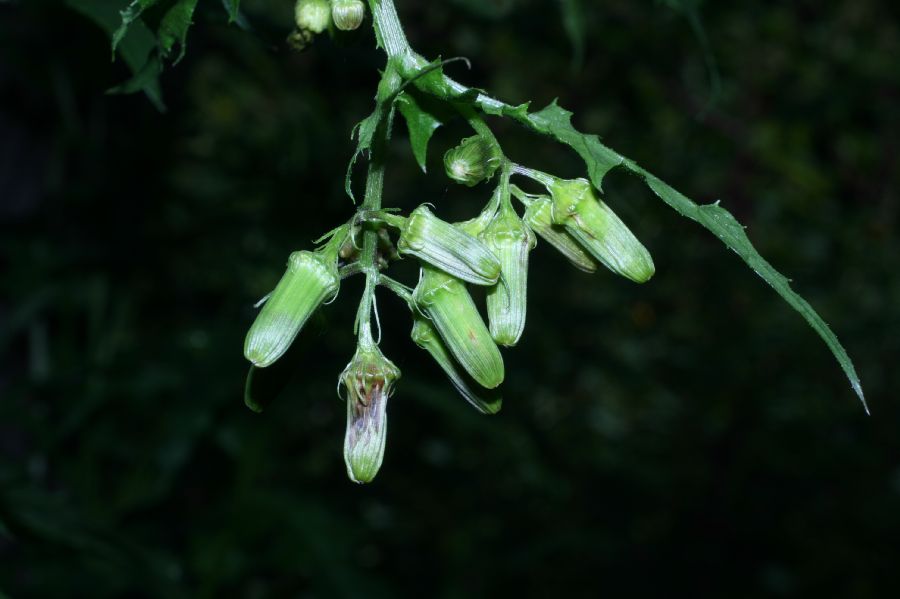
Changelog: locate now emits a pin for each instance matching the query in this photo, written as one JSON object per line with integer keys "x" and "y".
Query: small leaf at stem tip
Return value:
{"x": 421, "y": 124}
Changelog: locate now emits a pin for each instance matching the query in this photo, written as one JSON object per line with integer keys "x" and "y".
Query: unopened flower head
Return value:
{"x": 426, "y": 336}
{"x": 474, "y": 160}
{"x": 539, "y": 218}
{"x": 313, "y": 16}
{"x": 602, "y": 233}
{"x": 348, "y": 14}
{"x": 368, "y": 379}
{"x": 311, "y": 279}
{"x": 448, "y": 248}
{"x": 511, "y": 241}
{"x": 446, "y": 301}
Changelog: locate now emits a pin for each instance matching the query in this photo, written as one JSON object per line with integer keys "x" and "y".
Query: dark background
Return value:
{"x": 690, "y": 435}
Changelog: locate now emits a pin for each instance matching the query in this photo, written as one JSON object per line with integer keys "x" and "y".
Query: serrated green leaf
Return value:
{"x": 556, "y": 122}
{"x": 382, "y": 116}
{"x": 174, "y": 27}
{"x": 365, "y": 133}
{"x": 421, "y": 124}
{"x": 731, "y": 232}
{"x": 131, "y": 13}
{"x": 520, "y": 112}
{"x": 137, "y": 48}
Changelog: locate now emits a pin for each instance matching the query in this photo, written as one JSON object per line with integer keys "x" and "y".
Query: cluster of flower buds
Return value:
{"x": 490, "y": 251}
{"x": 313, "y": 17}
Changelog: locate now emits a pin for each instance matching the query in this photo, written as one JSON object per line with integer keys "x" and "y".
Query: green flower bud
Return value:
{"x": 511, "y": 241}
{"x": 348, "y": 14}
{"x": 448, "y": 248}
{"x": 599, "y": 230}
{"x": 539, "y": 218}
{"x": 369, "y": 380}
{"x": 427, "y": 337}
{"x": 446, "y": 301}
{"x": 474, "y": 160}
{"x": 312, "y": 15}
{"x": 311, "y": 278}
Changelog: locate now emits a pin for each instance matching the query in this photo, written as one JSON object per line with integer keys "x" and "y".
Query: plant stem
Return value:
{"x": 388, "y": 30}
{"x": 368, "y": 260}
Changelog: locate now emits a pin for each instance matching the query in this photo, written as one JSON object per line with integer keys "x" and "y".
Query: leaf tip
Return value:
{"x": 857, "y": 388}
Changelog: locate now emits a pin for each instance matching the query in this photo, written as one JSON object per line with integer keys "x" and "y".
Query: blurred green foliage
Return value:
{"x": 688, "y": 435}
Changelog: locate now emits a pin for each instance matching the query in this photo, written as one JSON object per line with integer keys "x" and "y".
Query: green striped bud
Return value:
{"x": 599, "y": 230}
{"x": 369, "y": 380}
{"x": 448, "y": 248}
{"x": 539, "y": 217}
{"x": 446, "y": 301}
{"x": 348, "y": 14}
{"x": 474, "y": 160}
{"x": 311, "y": 278}
{"x": 312, "y": 16}
{"x": 511, "y": 241}
{"x": 427, "y": 337}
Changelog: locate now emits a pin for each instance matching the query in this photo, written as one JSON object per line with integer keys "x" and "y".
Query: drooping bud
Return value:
{"x": 448, "y": 248}
{"x": 511, "y": 241}
{"x": 311, "y": 279}
{"x": 486, "y": 401}
{"x": 348, "y": 14}
{"x": 602, "y": 233}
{"x": 313, "y": 16}
{"x": 539, "y": 218}
{"x": 446, "y": 301}
{"x": 368, "y": 380}
{"x": 474, "y": 160}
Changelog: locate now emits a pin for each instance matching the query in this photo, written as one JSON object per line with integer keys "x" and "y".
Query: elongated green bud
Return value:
{"x": 539, "y": 218}
{"x": 312, "y": 16}
{"x": 448, "y": 248}
{"x": 311, "y": 278}
{"x": 599, "y": 230}
{"x": 474, "y": 160}
{"x": 348, "y": 14}
{"x": 426, "y": 336}
{"x": 511, "y": 241}
{"x": 368, "y": 380}
{"x": 446, "y": 301}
